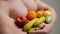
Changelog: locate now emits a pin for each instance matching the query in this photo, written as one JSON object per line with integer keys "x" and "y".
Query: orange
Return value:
{"x": 31, "y": 14}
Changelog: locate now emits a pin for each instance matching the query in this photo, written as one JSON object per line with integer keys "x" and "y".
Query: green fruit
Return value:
{"x": 40, "y": 21}
{"x": 30, "y": 24}
{"x": 32, "y": 29}
{"x": 48, "y": 19}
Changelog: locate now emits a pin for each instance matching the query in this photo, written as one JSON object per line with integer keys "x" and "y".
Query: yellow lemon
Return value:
{"x": 39, "y": 14}
{"x": 46, "y": 13}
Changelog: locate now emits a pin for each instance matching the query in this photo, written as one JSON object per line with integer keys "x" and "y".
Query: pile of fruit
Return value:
{"x": 33, "y": 19}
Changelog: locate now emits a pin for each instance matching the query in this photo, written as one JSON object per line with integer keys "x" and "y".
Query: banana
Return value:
{"x": 32, "y": 29}
{"x": 30, "y": 24}
{"x": 40, "y": 20}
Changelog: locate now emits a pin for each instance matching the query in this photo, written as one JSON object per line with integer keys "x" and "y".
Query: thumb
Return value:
{"x": 7, "y": 25}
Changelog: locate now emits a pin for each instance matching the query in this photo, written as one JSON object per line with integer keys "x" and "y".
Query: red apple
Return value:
{"x": 22, "y": 20}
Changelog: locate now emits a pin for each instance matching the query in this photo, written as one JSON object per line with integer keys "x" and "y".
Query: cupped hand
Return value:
{"x": 10, "y": 9}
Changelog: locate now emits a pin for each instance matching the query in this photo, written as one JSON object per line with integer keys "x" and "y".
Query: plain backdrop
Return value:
{"x": 56, "y": 5}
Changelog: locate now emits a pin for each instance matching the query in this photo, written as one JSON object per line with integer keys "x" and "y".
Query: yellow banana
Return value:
{"x": 32, "y": 29}
{"x": 40, "y": 20}
{"x": 30, "y": 24}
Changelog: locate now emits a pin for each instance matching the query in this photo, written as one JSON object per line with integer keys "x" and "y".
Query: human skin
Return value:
{"x": 10, "y": 9}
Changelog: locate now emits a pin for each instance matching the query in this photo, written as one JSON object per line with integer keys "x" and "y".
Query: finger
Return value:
{"x": 5, "y": 19}
{"x": 48, "y": 28}
{"x": 30, "y": 4}
{"x": 7, "y": 25}
{"x": 42, "y": 4}
{"x": 41, "y": 26}
{"x": 4, "y": 22}
{"x": 17, "y": 8}
{"x": 54, "y": 16}
{"x": 40, "y": 29}
{"x": 38, "y": 32}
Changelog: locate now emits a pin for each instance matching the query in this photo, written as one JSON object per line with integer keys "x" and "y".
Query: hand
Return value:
{"x": 48, "y": 27}
{"x": 10, "y": 9}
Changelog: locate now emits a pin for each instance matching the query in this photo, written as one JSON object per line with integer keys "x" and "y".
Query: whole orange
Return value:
{"x": 31, "y": 14}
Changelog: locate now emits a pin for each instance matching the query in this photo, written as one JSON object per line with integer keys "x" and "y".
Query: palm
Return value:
{"x": 16, "y": 8}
